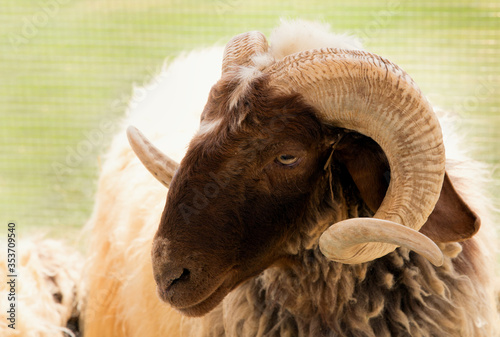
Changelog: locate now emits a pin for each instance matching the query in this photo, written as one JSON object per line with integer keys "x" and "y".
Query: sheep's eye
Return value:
{"x": 286, "y": 159}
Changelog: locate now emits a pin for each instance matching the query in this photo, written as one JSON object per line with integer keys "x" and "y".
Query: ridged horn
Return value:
{"x": 161, "y": 166}
{"x": 355, "y": 233}
{"x": 364, "y": 92}
{"x": 240, "y": 50}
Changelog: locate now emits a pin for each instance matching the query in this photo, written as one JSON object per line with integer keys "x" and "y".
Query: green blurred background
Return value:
{"x": 67, "y": 68}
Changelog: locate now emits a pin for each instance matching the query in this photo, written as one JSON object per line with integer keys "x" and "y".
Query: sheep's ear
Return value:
{"x": 367, "y": 165}
{"x": 452, "y": 219}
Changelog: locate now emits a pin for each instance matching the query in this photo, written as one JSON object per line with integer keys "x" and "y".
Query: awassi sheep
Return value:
{"x": 315, "y": 198}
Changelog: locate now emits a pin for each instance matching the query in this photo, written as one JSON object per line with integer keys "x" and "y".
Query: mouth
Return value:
{"x": 196, "y": 297}
{"x": 206, "y": 305}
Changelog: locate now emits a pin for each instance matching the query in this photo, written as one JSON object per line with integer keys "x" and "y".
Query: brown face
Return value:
{"x": 241, "y": 194}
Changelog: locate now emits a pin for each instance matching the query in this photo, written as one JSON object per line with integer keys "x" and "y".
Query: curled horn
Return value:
{"x": 364, "y": 92}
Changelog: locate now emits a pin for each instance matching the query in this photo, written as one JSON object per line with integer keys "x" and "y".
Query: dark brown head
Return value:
{"x": 235, "y": 202}
{"x": 257, "y": 178}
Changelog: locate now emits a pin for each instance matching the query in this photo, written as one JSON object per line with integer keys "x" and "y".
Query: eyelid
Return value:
{"x": 287, "y": 162}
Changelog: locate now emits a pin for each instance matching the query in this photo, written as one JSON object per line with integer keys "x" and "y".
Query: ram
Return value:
{"x": 314, "y": 199}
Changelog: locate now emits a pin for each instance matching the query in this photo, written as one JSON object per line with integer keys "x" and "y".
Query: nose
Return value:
{"x": 171, "y": 274}
{"x": 172, "y": 280}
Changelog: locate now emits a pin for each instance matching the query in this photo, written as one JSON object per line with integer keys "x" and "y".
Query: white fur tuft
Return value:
{"x": 298, "y": 35}
{"x": 262, "y": 60}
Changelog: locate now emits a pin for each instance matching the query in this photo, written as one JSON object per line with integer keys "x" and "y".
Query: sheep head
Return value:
{"x": 256, "y": 176}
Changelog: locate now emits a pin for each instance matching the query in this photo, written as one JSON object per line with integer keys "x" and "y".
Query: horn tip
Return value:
{"x": 132, "y": 130}
{"x": 437, "y": 259}
{"x": 134, "y": 136}
{"x": 360, "y": 240}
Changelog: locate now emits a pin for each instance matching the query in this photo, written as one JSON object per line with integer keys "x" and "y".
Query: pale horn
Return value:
{"x": 161, "y": 166}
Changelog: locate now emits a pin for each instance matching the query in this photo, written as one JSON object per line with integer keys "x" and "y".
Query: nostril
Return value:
{"x": 173, "y": 277}
{"x": 182, "y": 278}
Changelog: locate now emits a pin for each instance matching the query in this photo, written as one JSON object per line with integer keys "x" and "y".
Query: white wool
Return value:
{"x": 46, "y": 269}
{"x": 263, "y": 60}
{"x": 298, "y": 35}
{"x": 169, "y": 109}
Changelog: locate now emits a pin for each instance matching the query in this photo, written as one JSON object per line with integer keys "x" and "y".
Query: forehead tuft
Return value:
{"x": 243, "y": 76}
{"x": 230, "y": 101}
